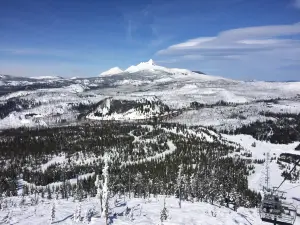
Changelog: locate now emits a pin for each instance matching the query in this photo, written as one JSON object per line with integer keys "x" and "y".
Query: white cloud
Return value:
{"x": 258, "y": 52}
{"x": 194, "y": 42}
{"x": 243, "y": 39}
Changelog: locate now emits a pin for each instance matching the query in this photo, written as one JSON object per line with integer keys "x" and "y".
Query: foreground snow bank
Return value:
{"x": 126, "y": 211}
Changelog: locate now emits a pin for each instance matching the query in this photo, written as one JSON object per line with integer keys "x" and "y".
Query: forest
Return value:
{"x": 145, "y": 159}
{"x": 281, "y": 128}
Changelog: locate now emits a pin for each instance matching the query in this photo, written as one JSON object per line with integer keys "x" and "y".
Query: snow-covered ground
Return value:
{"x": 46, "y": 77}
{"x": 230, "y": 117}
{"x": 148, "y": 211}
{"x": 257, "y": 180}
{"x": 139, "y": 211}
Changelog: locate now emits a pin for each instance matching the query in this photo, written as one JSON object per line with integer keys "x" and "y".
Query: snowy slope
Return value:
{"x": 257, "y": 180}
{"x": 112, "y": 71}
{"x": 46, "y": 77}
{"x": 141, "y": 211}
{"x": 137, "y": 109}
{"x": 176, "y": 88}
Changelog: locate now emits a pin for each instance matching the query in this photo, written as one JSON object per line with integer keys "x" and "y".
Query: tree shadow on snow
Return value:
{"x": 58, "y": 221}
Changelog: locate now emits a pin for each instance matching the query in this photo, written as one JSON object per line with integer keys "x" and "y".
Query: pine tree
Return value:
{"x": 49, "y": 196}
{"x": 179, "y": 184}
{"x": 79, "y": 191}
{"x": 164, "y": 213}
{"x": 77, "y": 214}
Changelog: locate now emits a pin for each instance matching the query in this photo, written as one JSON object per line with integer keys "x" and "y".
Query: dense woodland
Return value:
{"x": 17, "y": 105}
{"x": 290, "y": 164}
{"x": 281, "y": 128}
{"x": 145, "y": 159}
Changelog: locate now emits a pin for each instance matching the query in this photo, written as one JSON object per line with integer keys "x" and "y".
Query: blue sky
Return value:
{"x": 240, "y": 39}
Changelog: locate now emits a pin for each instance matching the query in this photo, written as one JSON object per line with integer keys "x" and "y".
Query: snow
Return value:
{"x": 15, "y": 95}
{"x": 256, "y": 181}
{"x": 131, "y": 114}
{"x": 142, "y": 212}
{"x": 46, "y": 78}
{"x": 172, "y": 149}
{"x": 131, "y": 82}
{"x": 174, "y": 87}
{"x": 200, "y": 134}
{"x": 75, "y": 88}
{"x": 154, "y": 68}
{"x": 55, "y": 160}
{"x": 230, "y": 117}
{"x": 112, "y": 71}
{"x": 15, "y": 120}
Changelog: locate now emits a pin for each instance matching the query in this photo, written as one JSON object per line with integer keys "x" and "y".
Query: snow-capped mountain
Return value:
{"x": 150, "y": 65}
{"x": 153, "y": 67}
{"x": 112, "y": 71}
{"x": 63, "y": 100}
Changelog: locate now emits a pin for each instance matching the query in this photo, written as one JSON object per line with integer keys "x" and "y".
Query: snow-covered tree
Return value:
{"x": 99, "y": 186}
{"x": 164, "y": 213}
{"x": 138, "y": 184}
{"x": 79, "y": 191}
{"x": 105, "y": 190}
{"x": 77, "y": 214}
{"x": 52, "y": 218}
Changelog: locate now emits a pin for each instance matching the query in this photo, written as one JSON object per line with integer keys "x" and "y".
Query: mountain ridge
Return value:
{"x": 112, "y": 71}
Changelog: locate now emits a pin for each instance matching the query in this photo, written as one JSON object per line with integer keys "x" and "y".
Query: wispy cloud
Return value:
{"x": 261, "y": 50}
{"x": 297, "y": 4}
{"x": 240, "y": 40}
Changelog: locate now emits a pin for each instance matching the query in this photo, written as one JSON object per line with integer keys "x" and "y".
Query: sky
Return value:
{"x": 239, "y": 39}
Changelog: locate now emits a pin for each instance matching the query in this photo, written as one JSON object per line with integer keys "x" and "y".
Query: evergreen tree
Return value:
{"x": 77, "y": 214}
{"x": 164, "y": 213}
{"x": 179, "y": 184}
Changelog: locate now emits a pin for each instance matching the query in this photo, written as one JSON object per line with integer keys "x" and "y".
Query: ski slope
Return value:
{"x": 257, "y": 180}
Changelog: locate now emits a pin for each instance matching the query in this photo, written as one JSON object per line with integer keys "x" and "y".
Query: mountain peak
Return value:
{"x": 151, "y": 62}
{"x": 150, "y": 65}
{"x": 112, "y": 71}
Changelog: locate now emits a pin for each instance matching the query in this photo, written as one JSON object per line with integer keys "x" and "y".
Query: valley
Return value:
{"x": 161, "y": 135}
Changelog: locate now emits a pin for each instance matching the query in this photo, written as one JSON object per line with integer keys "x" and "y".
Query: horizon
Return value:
{"x": 235, "y": 39}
